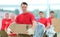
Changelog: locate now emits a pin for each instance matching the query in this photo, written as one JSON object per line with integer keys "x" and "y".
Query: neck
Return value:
{"x": 24, "y": 10}
{"x": 42, "y": 17}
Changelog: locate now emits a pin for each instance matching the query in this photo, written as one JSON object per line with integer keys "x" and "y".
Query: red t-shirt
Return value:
{"x": 5, "y": 23}
{"x": 50, "y": 20}
{"x": 25, "y": 18}
{"x": 43, "y": 21}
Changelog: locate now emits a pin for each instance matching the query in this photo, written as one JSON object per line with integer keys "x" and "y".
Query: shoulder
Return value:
{"x": 18, "y": 15}
{"x": 31, "y": 14}
{"x": 3, "y": 20}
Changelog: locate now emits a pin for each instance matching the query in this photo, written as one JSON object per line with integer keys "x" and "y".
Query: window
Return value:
{"x": 34, "y": 6}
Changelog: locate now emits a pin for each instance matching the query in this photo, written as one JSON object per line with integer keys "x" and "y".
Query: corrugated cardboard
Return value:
{"x": 56, "y": 23}
{"x": 18, "y": 28}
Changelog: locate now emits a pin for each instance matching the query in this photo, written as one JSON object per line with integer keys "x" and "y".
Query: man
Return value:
{"x": 50, "y": 31}
{"x": 26, "y": 17}
{"x": 51, "y": 17}
{"x": 42, "y": 19}
{"x": 41, "y": 24}
{"x": 5, "y": 24}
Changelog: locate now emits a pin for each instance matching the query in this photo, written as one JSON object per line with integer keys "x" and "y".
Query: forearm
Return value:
{"x": 34, "y": 24}
{"x": 48, "y": 26}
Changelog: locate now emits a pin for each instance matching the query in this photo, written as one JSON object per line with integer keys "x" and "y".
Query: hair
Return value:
{"x": 24, "y": 3}
{"x": 6, "y": 13}
{"x": 40, "y": 12}
{"x": 51, "y": 12}
{"x": 12, "y": 14}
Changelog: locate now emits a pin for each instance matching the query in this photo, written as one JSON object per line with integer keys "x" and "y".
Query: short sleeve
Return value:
{"x": 32, "y": 17}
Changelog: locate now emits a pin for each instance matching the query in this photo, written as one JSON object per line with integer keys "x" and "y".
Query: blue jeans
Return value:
{"x": 39, "y": 30}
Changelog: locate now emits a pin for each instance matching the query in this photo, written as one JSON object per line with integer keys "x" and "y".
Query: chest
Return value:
{"x": 7, "y": 21}
{"x": 25, "y": 17}
{"x": 42, "y": 21}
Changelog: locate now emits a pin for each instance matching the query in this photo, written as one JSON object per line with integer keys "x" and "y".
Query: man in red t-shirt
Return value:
{"x": 42, "y": 19}
{"x": 50, "y": 31}
{"x": 51, "y": 17}
{"x": 49, "y": 20}
{"x": 5, "y": 22}
{"x": 25, "y": 17}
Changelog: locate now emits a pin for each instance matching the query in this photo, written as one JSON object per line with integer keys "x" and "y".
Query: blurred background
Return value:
{"x": 34, "y": 6}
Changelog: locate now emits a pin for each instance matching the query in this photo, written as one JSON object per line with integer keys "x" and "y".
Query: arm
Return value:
{"x": 34, "y": 24}
{"x": 48, "y": 24}
{"x": 3, "y": 24}
{"x": 33, "y": 21}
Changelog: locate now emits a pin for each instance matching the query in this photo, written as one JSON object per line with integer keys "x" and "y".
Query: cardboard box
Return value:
{"x": 56, "y": 23}
{"x": 19, "y": 28}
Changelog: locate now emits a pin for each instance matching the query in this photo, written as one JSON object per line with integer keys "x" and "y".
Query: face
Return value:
{"x": 23, "y": 7}
{"x": 51, "y": 14}
{"x": 41, "y": 15}
{"x": 12, "y": 16}
{"x": 7, "y": 15}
